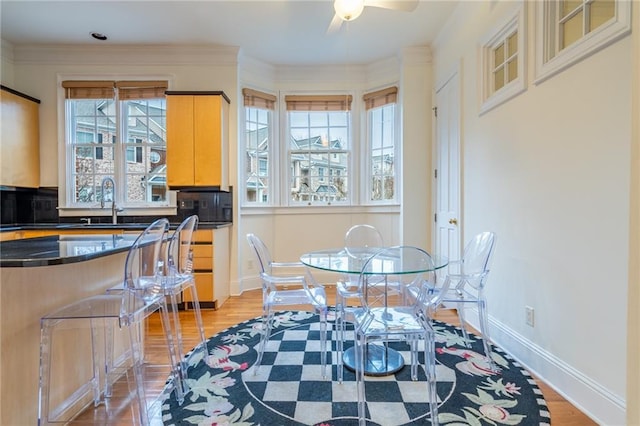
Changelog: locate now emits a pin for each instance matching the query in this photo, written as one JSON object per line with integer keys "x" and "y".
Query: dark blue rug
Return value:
{"x": 289, "y": 389}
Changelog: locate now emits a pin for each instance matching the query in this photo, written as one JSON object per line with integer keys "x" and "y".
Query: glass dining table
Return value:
{"x": 350, "y": 261}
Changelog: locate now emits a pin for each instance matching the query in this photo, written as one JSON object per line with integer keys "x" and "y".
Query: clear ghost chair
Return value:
{"x": 178, "y": 278}
{"x": 386, "y": 317}
{"x": 466, "y": 280}
{"x": 141, "y": 296}
{"x": 276, "y": 293}
{"x": 359, "y": 240}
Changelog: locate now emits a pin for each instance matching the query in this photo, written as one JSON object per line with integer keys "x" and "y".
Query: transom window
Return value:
{"x": 503, "y": 61}
{"x": 576, "y": 19}
{"x": 570, "y": 30}
{"x": 116, "y": 130}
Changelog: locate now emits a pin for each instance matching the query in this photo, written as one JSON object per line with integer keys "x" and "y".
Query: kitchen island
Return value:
{"x": 38, "y": 276}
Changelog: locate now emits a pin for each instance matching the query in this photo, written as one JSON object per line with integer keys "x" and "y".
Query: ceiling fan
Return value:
{"x": 348, "y": 10}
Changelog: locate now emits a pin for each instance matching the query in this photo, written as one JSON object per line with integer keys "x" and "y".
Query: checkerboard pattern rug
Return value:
{"x": 288, "y": 388}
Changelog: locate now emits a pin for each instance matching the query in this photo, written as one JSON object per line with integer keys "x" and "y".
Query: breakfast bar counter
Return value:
{"x": 61, "y": 249}
{"x": 38, "y": 276}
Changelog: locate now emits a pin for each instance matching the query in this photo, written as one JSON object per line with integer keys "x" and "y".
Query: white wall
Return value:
{"x": 549, "y": 172}
{"x": 633, "y": 366}
{"x": 6, "y": 64}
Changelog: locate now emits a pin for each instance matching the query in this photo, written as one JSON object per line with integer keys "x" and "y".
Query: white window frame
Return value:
{"x": 489, "y": 97}
{"x": 271, "y": 161}
{"x": 367, "y": 153}
{"x": 283, "y": 142}
{"x": 66, "y": 207}
{"x": 549, "y": 61}
{"x": 359, "y": 181}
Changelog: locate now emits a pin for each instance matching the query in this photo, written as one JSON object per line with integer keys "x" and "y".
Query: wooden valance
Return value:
{"x": 318, "y": 102}
{"x": 254, "y": 98}
{"x": 104, "y": 89}
{"x": 380, "y": 97}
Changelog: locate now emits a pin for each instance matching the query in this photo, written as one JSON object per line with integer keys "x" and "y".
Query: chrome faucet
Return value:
{"x": 114, "y": 208}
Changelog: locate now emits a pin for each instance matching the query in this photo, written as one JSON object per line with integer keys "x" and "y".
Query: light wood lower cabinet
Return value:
{"x": 210, "y": 259}
{"x": 211, "y": 267}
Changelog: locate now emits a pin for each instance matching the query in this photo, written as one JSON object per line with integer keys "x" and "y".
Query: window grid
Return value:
{"x": 146, "y": 149}
{"x": 258, "y": 131}
{"x": 382, "y": 152}
{"x": 140, "y": 181}
{"x": 576, "y": 19}
{"x": 505, "y": 61}
{"x": 503, "y": 54}
{"x": 90, "y": 118}
{"x": 319, "y": 142}
{"x": 569, "y": 31}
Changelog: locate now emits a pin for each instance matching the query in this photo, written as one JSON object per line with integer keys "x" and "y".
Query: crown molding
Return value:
{"x": 138, "y": 54}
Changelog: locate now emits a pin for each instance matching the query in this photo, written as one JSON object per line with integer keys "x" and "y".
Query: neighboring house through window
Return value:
{"x": 319, "y": 140}
{"x": 115, "y": 129}
{"x": 258, "y": 109}
{"x": 381, "y": 136}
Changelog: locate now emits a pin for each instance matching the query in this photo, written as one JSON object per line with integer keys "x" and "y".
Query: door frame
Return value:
{"x": 454, "y": 73}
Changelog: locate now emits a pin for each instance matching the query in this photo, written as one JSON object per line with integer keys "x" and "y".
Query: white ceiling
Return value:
{"x": 279, "y": 32}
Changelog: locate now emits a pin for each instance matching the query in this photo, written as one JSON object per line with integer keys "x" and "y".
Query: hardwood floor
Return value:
{"x": 120, "y": 410}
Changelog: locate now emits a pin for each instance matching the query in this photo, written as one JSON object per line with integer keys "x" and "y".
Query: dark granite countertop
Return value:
{"x": 98, "y": 226}
{"x": 61, "y": 249}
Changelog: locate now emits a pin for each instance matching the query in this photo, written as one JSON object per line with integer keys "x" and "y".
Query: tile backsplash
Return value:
{"x": 40, "y": 206}
{"x": 28, "y": 205}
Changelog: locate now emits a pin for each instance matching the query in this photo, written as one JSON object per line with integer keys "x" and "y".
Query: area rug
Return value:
{"x": 288, "y": 388}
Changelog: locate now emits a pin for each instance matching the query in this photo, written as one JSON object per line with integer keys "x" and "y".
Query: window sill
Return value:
{"x": 302, "y": 210}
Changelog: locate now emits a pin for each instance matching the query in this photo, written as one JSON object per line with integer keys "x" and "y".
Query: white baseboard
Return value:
{"x": 586, "y": 394}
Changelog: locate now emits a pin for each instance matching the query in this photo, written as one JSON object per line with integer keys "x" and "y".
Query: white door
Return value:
{"x": 447, "y": 173}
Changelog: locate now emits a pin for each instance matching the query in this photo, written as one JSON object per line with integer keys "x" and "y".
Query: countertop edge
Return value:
{"x": 101, "y": 226}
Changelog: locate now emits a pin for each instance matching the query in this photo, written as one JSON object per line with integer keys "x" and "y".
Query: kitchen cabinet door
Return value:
{"x": 197, "y": 140}
{"x": 20, "y": 136}
{"x": 180, "y": 143}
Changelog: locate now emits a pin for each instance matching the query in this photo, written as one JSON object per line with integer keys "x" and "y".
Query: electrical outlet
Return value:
{"x": 529, "y": 315}
{"x": 250, "y": 264}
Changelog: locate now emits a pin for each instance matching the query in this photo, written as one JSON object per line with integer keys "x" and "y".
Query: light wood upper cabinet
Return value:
{"x": 20, "y": 139}
{"x": 197, "y": 139}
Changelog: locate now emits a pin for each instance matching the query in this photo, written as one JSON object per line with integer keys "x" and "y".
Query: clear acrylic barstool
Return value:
{"x": 179, "y": 278}
{"x": 96, "y": 318}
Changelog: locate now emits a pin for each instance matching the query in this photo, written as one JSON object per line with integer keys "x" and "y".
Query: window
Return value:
{"x": 571, "y": 30}
{"x": 381, "y": 137}
{"x": 318, "y": 141}
{"x": 127, "y": 119}
{"x": 258, "y": 132}
{"x": 503, "y": 62}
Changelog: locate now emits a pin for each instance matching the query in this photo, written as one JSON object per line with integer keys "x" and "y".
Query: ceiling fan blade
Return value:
{"x": 402, "y": 5}
{"x": 335, "y": 25}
